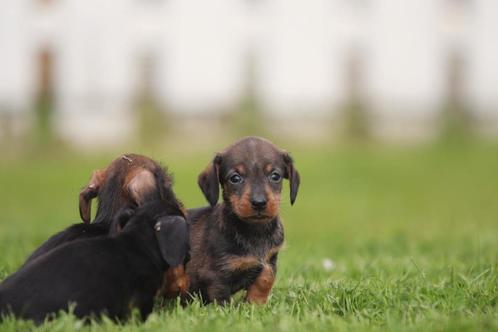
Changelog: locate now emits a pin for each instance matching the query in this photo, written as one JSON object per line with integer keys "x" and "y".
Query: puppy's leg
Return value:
{"x": 176, "y": 282}
{"x": 144, "y": 304}
{"x": 259, "y": 291}
{"x": 146, "y": 308}
{"x": 218, "y": 291}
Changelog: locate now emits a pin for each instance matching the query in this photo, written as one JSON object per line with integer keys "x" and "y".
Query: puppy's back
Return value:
{"x": 72, "y": 233}
{"x": 66, "y": 275}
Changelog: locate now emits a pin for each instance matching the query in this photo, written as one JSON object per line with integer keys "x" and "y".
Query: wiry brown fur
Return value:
{"x": 235, "y": 244}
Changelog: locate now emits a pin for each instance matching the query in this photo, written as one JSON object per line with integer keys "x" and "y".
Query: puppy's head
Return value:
{"x": 250, "y": 172}
{"x": 163, "y": 227}
{"x": 128, "y": 182}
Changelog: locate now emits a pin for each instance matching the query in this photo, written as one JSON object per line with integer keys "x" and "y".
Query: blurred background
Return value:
{"x": 389, "y": 108}
{"x": 99, "y": 75}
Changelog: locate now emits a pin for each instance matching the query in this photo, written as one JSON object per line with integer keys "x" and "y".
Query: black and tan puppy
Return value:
{"x": 103, "y": 275}
{"x": 123, "y": 184}
{"x": 127, "y": 183}
{"x": 235, "y": 244}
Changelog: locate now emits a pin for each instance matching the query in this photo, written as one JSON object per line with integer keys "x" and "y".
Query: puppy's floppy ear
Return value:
{"x": 292, "y": 174}
{"x": 141, "y": 184}
{"x": 209, "y": 180}
{"x": 89, "y": 192}
{"x": 172, "y": 237}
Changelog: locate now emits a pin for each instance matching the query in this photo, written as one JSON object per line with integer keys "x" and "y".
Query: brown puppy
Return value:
{"x": 128, "y": 182}
{"x": 235, "y": 244}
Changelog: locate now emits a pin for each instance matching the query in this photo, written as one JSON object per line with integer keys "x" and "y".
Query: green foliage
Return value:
{"x": 380, "y": 238}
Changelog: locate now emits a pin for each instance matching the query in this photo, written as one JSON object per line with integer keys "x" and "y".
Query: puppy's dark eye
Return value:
{"x": 235, "y": 179}
{"x": 275, "y": 177}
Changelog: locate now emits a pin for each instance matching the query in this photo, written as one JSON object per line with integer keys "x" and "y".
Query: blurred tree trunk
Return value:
{"x": 354, "y": 112}
{"x": 456, "y": 120}
{"x": 44, "y": 100}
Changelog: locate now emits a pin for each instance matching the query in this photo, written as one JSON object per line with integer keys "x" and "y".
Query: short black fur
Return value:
{"x": 110, "y": 201}
{"x": 104, "y": 275}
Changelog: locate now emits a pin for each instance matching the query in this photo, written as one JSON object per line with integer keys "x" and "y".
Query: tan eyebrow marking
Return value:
{"x": 268, "y": 168}
{"x": 240, "y": 168}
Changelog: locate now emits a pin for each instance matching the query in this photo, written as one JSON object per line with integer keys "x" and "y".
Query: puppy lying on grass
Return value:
{"x": 104, "y": 275}
{"x": 125, "y": 183}
{"x": 128, "y": 182}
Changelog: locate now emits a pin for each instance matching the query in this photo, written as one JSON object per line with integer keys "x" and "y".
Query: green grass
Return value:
{"x": 412, "y": 234}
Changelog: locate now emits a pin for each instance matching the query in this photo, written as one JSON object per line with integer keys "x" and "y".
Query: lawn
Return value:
{"x": 380, "y": 238}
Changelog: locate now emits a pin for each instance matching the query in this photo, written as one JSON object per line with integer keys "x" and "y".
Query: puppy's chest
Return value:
{"x": 244, "y": 253}
{"x": 244, "y": 260}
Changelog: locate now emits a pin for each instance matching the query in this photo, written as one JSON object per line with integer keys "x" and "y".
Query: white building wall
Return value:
{"x": 483, "y": 62}
{"x": 205, "y": 55}
{"x": 297, "y": 57}
{"x": 200, "y": 49}
{"x": 15, "y": 64}
{"x": 405, "y": 58}
{"x": 405, "y": 66}
{"x": 16, "y": 75}
{"x": 93, "y": 104}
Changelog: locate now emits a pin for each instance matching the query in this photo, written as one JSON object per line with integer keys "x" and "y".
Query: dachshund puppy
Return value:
{"x": 128, "y": 182}
{"x": 104, "y": 275}
{"x": 123, "y": 184}
{"x": 235, "y": 244}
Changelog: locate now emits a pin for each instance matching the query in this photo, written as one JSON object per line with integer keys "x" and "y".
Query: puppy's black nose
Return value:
{"x": 258, "y": 203}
